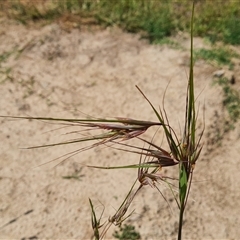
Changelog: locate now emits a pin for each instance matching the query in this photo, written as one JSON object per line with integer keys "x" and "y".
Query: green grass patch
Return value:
{"x": 217, "y": 20}
{"x": 231, "y": 99}
{"x": 218, "y": 56}
{"x": 127, "y": 232}
{"x": 167, "y": 41}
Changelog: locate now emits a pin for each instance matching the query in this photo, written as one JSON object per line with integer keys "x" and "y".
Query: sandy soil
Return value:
{"x": 62, "y": 73}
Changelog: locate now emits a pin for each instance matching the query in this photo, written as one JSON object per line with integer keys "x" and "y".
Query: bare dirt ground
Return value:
{"x": 58, "y": 73}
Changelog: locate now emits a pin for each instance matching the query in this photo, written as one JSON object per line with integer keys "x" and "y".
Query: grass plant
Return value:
{"x": 183, "y": 151}
{"x": 4, "y": 72}
{"x": 4, "y": 56}
{"x": 76, "y": 175}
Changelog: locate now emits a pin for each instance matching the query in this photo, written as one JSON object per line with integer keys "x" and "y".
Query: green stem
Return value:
{"x": 180, "y": 224}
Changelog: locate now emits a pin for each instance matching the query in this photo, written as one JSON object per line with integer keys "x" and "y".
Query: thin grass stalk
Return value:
{"x": 185, "y": 167}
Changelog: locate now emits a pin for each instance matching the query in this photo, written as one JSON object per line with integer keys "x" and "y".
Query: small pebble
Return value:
{"x": 219, "y": 73}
